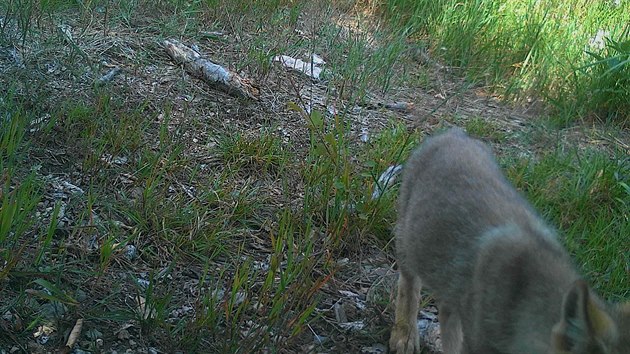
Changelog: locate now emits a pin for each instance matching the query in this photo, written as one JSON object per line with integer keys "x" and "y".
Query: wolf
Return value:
{"x": 502, "y": 281}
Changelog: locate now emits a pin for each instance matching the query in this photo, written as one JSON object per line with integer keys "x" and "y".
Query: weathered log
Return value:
{"x": 211, "y": 73}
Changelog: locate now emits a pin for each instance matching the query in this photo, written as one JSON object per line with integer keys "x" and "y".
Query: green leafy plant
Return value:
{"x": 609, "y": 79}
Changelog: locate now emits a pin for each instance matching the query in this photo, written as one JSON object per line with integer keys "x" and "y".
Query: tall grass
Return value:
{"x": 531, "y": 47}
{"x": 586, "y": 195}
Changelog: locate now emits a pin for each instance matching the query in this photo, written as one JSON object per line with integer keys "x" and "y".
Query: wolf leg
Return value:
{"x": 450, "y": 330}
{"x": 404, "y": 338}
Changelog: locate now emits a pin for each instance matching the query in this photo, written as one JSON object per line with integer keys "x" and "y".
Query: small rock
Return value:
{"x": 348, "y": 293}
{"x": 360, "y": 304}
{"x": 80, "y": 295}
{"x": 131, "y": 252}
{"x": 143, "y": 283}
{"x": 353, "y": 326}
{"x": 430, "y": 334}
{"x": 123, "y": 334}
{"x": 43, "y": 339}
{"x": 364, "y": 135}
{"x": 181, "y": 312}
{"x": 343, "y": 261}
{"x": 377, "y": 348}
{"x": 218, "y": 294}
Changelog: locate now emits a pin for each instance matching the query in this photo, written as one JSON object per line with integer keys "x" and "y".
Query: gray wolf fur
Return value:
{"x": 502, "y": 281}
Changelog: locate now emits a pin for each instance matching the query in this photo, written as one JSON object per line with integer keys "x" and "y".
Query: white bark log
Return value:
{"x": 211, "y": 73}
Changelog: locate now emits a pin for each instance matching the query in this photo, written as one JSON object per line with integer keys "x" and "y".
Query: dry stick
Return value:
{"x": 76, "y": 332}
{"x": 211, "y": 73}
{"x": 73, "y": 337}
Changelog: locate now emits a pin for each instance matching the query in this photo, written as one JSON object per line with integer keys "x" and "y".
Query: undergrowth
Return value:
{"x": 574, "y": 54}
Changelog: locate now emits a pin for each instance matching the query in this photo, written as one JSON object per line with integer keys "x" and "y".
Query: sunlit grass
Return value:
{"x": 530, "y": 48}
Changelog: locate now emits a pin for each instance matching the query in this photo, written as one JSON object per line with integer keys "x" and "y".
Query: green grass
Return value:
{"x": 238, "y": 229}
{"x": 167, "y": 225}
{"x": 264, "y": 152}
{"x": 586, "y": 195}
{"x": 485, "y": 130}
{"x": 532, "y": 48}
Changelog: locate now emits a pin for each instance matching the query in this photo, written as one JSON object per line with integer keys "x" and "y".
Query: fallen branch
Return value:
{"x": 211, "y": 73}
